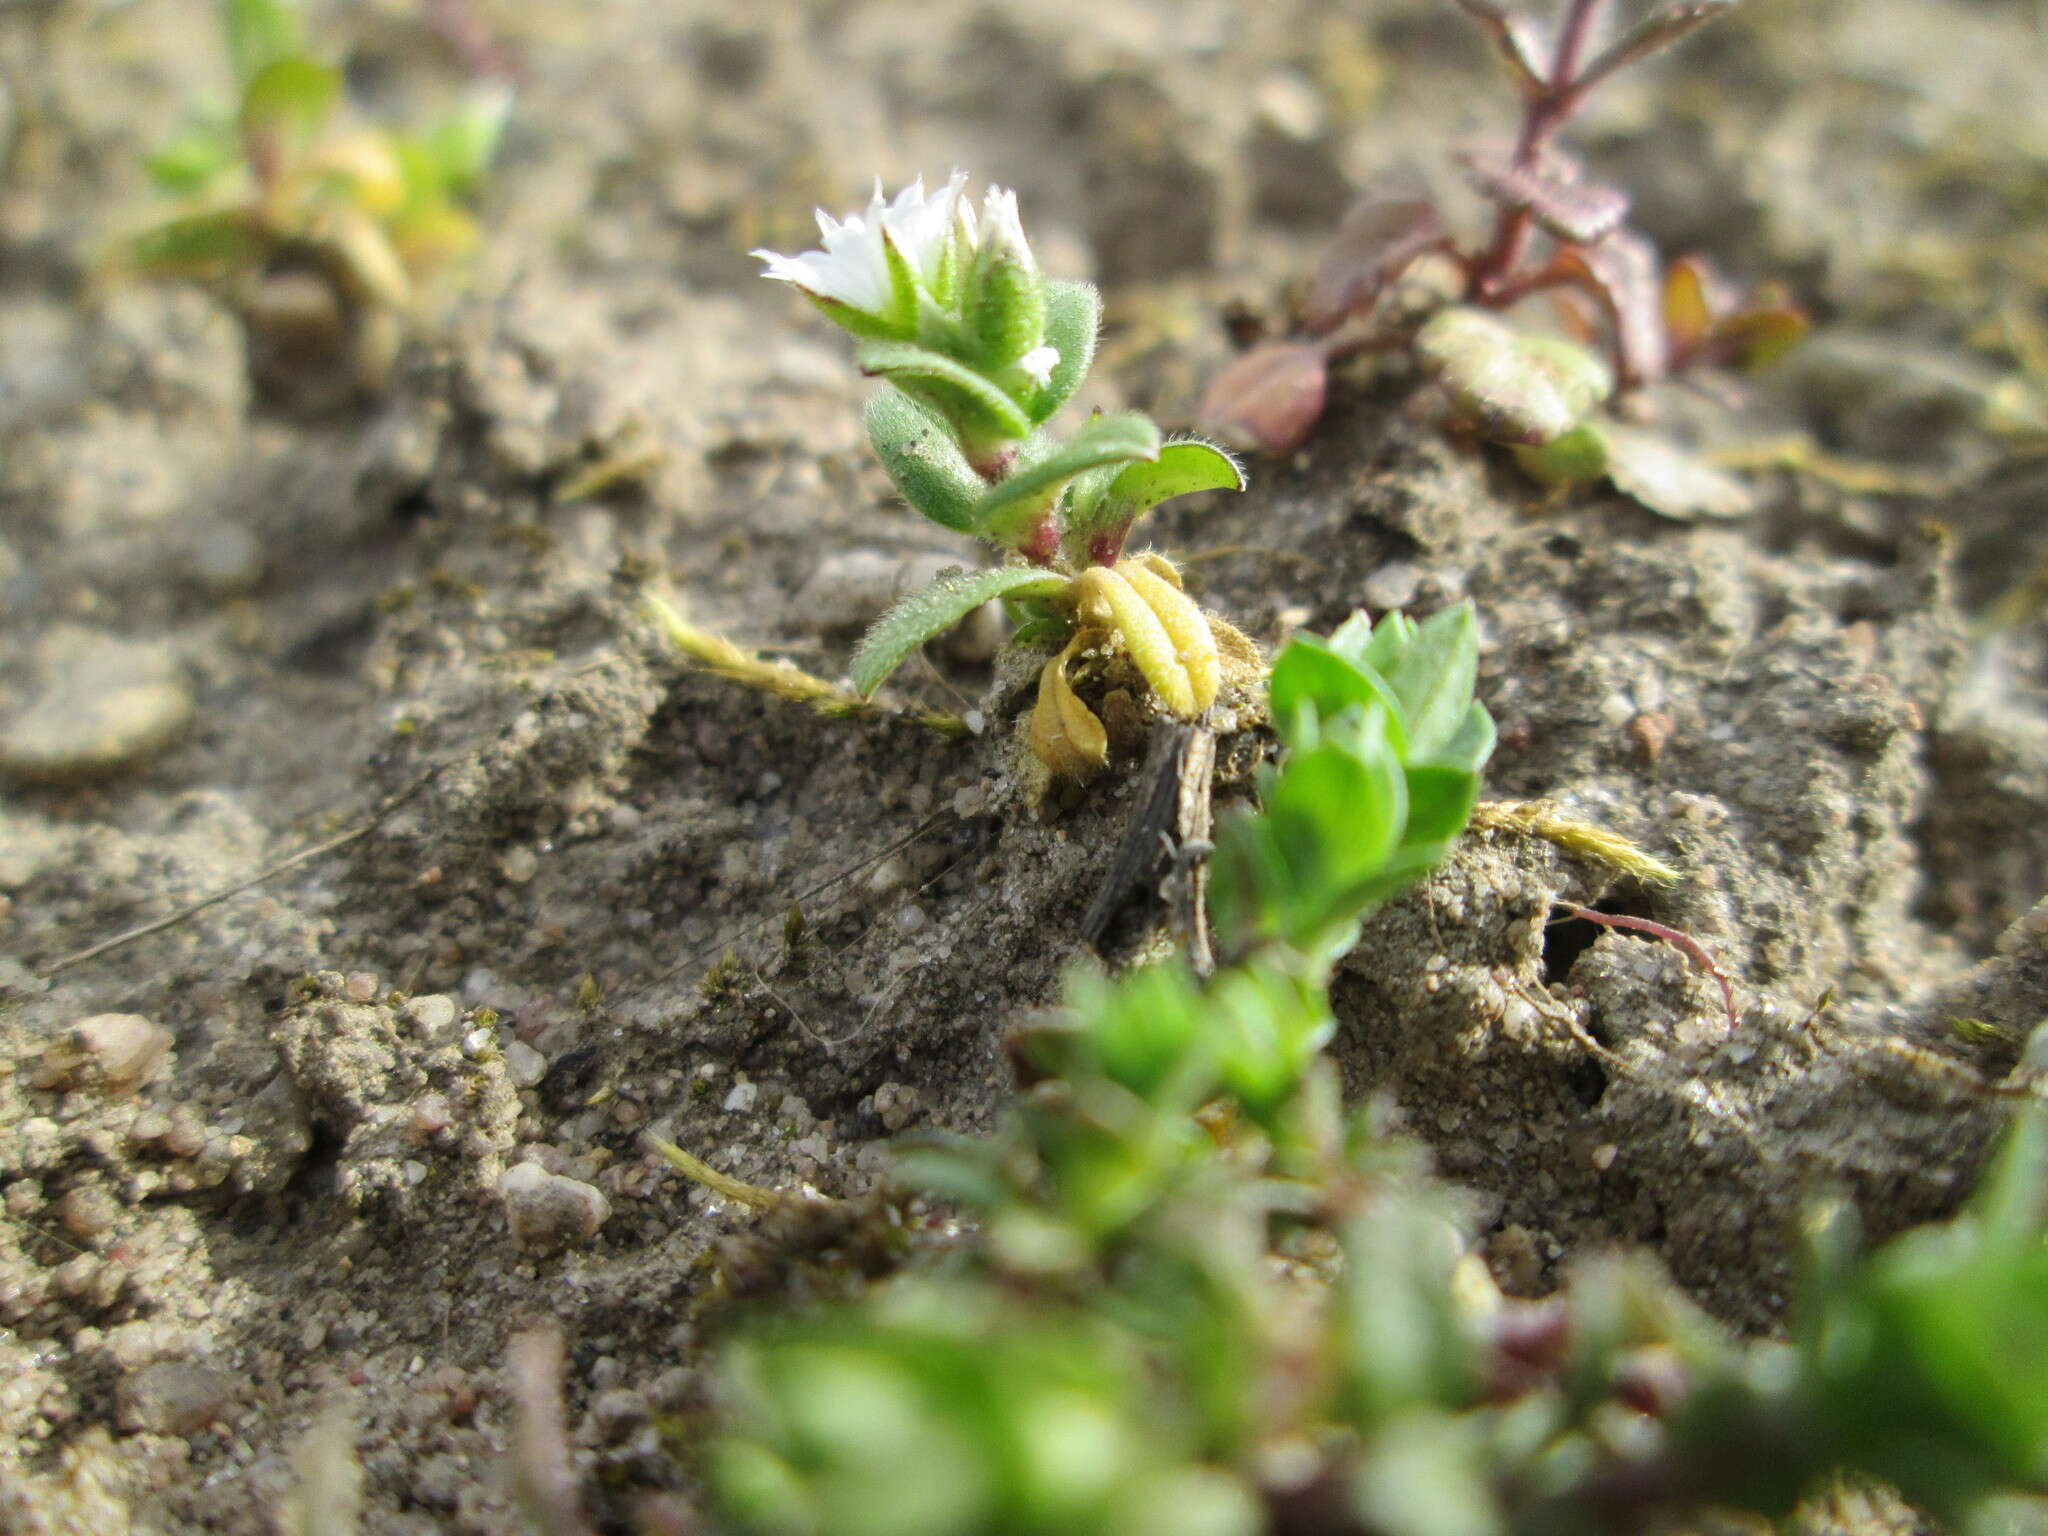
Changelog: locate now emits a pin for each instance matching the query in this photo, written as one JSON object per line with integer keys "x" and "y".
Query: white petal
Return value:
{"x": 1039, "y": 363}
{"x": 920, "y": 226}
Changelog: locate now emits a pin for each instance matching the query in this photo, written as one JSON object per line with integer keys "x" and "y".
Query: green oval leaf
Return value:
{"x": 935, "y": 608}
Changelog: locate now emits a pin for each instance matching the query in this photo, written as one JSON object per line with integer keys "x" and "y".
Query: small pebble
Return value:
{"x": 432, "y": 1015}
{"x": 87, "y": 1212}
{"x": 115, "y": 1051}
{"x": 360, "y": 987}
{"x": 1391, "y": 586}
{"x": 224, "y": 559}
{"x": 895, "y": 1105}
{"x": 524, "y": 1065}
{"x": 741, "y": 1098}
{"x": 174, "y": 1397}
{"x": 619, "y": 1412}
{"x": 519, "y": 865}
{"x": 548, "y": 1211}
{"x": 104, "y": 704}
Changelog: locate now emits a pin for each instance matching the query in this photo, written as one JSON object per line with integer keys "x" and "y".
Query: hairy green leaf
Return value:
{"x": 924, "y": 461}
{"x": 1181, "y": 469}
{"x": 934, "y": 608}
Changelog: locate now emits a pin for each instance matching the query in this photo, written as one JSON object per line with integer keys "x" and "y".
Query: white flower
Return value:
{"x": 853, "y": 268}
{"x": 1039, "y": 363}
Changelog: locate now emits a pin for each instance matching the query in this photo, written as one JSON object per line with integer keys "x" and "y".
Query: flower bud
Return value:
{"x": 1003, "y": 304}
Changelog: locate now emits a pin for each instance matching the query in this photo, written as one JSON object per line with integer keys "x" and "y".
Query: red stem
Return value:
{"x": 1543, "y": 115}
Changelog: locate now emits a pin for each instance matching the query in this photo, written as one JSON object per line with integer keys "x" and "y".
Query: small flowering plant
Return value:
{"x": 980, "y": 350}
{"x": 323, "y": 226}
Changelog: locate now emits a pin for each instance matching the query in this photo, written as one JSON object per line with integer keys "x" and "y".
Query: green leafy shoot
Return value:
{"x": 287, "y": 171}
{"x": 1385, "y": 743}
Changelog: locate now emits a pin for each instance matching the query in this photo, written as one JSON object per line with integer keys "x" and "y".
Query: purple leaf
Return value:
{"x": 1270, "y": 399}
{"x": 1653, "y": 34}
{"x": 1623, "y": 271}
{"x": 1513, "y": 40}
{"x": 1379, "y": 237}
{"x": 1573, "y": 210}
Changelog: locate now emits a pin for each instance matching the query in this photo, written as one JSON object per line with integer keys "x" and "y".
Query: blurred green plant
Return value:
{"x": 323, "y": 226}
{"x": 1203, "y": 1299}
{"x": 980, "y": 350}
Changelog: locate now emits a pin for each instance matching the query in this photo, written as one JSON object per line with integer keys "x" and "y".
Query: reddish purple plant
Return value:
{"x": 1555, "y": 230}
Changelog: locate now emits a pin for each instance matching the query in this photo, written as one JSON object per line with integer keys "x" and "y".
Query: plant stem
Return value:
{"x": 1543, "y": 115}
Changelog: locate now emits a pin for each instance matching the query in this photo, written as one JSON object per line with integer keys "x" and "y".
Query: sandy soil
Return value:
{"x": 575, "y": 891}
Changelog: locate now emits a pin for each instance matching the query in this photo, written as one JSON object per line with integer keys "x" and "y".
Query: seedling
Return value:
{"x": 321, "y": 226}
{"x": 1555, "y": 232}
{"x": 979, "y": 350}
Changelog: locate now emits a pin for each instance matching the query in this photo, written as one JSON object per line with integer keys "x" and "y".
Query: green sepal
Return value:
{"x": 1117, "y": 501}
{"x": 935, "y": 608}
{"x": 1004, "y": 307}
{"x": 924, "y": 461}
{"x": 1013, "y": 508}
{"x": 857, "y": 321}
{"x": 1073, "y": 316}
{"x": 980, "y": 413}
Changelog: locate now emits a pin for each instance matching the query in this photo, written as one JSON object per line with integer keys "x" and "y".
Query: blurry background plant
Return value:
{"x": 1630, "y": 319}
{"x": 1202, "y": 1299}
{"x": 979, "y": 351}
{"x": 323, "y": 227}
